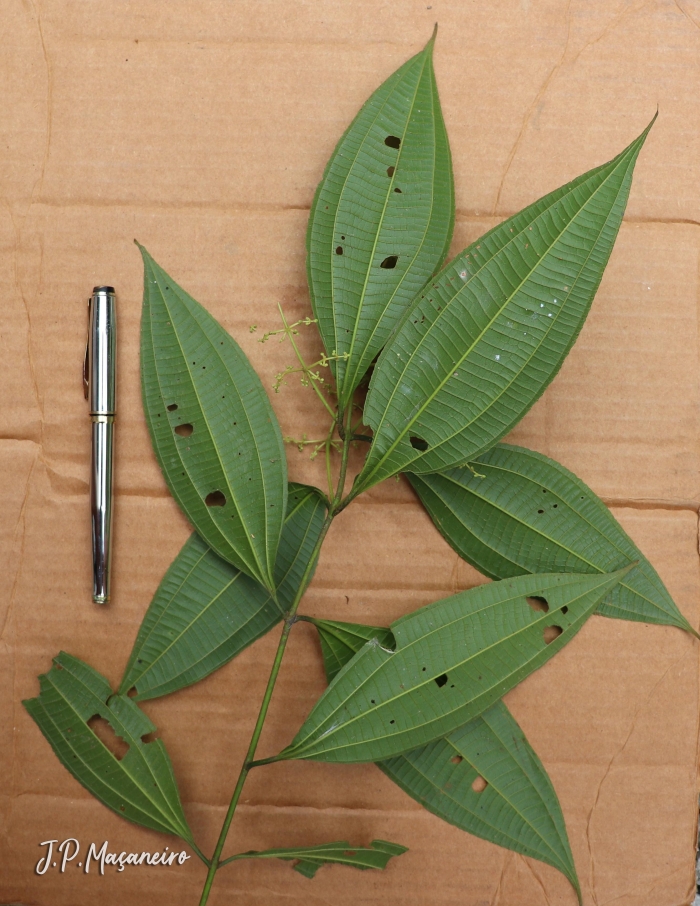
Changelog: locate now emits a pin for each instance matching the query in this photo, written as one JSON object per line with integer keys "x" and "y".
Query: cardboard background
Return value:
{"x": 202, "y": 129}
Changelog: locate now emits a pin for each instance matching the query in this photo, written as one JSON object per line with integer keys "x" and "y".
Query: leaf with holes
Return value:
{"x": 206, "y": 611}
{"x": 484, "y": 778}
{"x": 483, "y": 341}
{"x": 212, "y": 426}
{"x": 519, "y": 512}
{"x": 140, "y": 786}
{"x": 310, "y": 858}
{"x": 453, "y": 660}
{"x": 381, "y": 220}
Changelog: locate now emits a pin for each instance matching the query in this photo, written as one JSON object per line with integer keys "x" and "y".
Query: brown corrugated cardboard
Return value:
{"x": 202, "y": 129}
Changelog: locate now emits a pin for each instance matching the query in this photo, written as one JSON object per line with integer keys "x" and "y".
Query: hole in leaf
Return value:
{"x": 538, "y": 603}
{"x": 479, "y": 784}
{"x": 540, "y": 511}
{"x": 149, "y": 737}
{"x": 390, "y": 262}
{"x": 215, "y": 498}
{"x": 172, "y": 407}
{"x": 456, "y": 759}
{"x": 393, "y": 141}
{"x": 132, "y": 692}
{"x": 343, "y": 238}
{"x": 565, "y": 609}
{"x": 109, "y": 739}
{"x": 184, "y": 430}
{"x": 349, "y": 852}
{"x": 392, "y": 721}
{"x": 441, "y": 680}
{"x": 397, "y": 190}
{"x": 339, "y": 250}
{"x": 390, "y": 171}
{"x": 419, "y": 444}
{"x": 551, "y": 633}
{"x": 555, "y": 505}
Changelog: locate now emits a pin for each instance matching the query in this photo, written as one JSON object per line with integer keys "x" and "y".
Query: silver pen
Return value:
{"x": 99, "y": 381}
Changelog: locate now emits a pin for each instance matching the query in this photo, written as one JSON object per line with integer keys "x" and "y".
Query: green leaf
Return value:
{"x": 212, "y": 426}
{"x": 482, "y": 342}
{"x": 453, "y": 660}
{"x": 340, "y": 641}
{"x": 311, "y": 858}
{"x": 519, "y": 512}
{"x": 140, "y": 786}
{"x": 518, "y": 809}
{"x": 382, "y": 218}
{"x": 206, "y": 611}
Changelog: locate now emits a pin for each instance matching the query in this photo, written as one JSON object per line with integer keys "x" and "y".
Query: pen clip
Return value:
{"x": 86, "y": 361}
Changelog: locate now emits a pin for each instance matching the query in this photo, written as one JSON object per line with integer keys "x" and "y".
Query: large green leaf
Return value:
{"x": 310, "y": 858}
{"x": 141, "y": 785}
{"x": 213, "y": 429}
{"x": 382, "y": 218}
{"x": 205, "y": 611}
{"x": 453, "y": 659}
{"x": 482, "y": 342}
{"x": 518, "y": 809}
{"x": 519, "y": 512}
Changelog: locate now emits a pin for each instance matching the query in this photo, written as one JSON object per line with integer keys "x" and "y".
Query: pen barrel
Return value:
{"x": 101, "y": 504}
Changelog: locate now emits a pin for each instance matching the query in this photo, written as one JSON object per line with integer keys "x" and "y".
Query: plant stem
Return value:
{"x": 289, "y": 621}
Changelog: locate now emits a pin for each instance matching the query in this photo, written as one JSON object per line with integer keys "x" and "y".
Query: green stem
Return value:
{"x": 289, "y": 621}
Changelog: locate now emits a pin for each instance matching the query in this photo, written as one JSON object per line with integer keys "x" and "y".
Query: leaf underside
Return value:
{"x": 525, "y": 513}
{"x": 141, "y": 785}
{"x": 311, "y": 858}
{"x": 340, "y": 641}
{"x": 381, "y": 220}
{"x": 453, "y": 660}
{"x": 212, "y": 427}
{"x": 485, "y": 338}
{"x": 205, "y": 611}
{"x": 518, "y": 809}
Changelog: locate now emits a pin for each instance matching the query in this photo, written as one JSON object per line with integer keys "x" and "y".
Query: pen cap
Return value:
{"x": 101, "y": 352}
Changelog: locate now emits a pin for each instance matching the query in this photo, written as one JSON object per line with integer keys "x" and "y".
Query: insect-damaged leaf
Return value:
{"x": 382, "y": 218}
{"x": 141, "y": 785}
{"x": 205, "y": 611}
{"x": 212, "y": 426}
{"x": 485, "y": 338}
{"x": 453, "y": 659}
{"x": 484, "y": 778}
{"x": 519, "y": 512}
{"x": 310, "y": 858}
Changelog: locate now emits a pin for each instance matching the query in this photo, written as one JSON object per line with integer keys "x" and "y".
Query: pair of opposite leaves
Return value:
{"x": 440, "y": 394}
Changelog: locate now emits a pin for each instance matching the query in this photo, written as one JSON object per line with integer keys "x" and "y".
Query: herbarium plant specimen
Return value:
{"x": 451, "y": 358}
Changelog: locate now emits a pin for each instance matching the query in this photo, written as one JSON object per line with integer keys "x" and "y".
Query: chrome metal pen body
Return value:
{"x": 100, "y": 373}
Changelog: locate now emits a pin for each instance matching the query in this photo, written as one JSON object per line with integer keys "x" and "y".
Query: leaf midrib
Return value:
{"x": 262, "y": 573}
{"x": 361, "y": 300}
{"x": 569, "y": 631}
{"x": 101, "y": 780}
{"x": 491, "y": 321}
{"x": 538, "y": 531}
